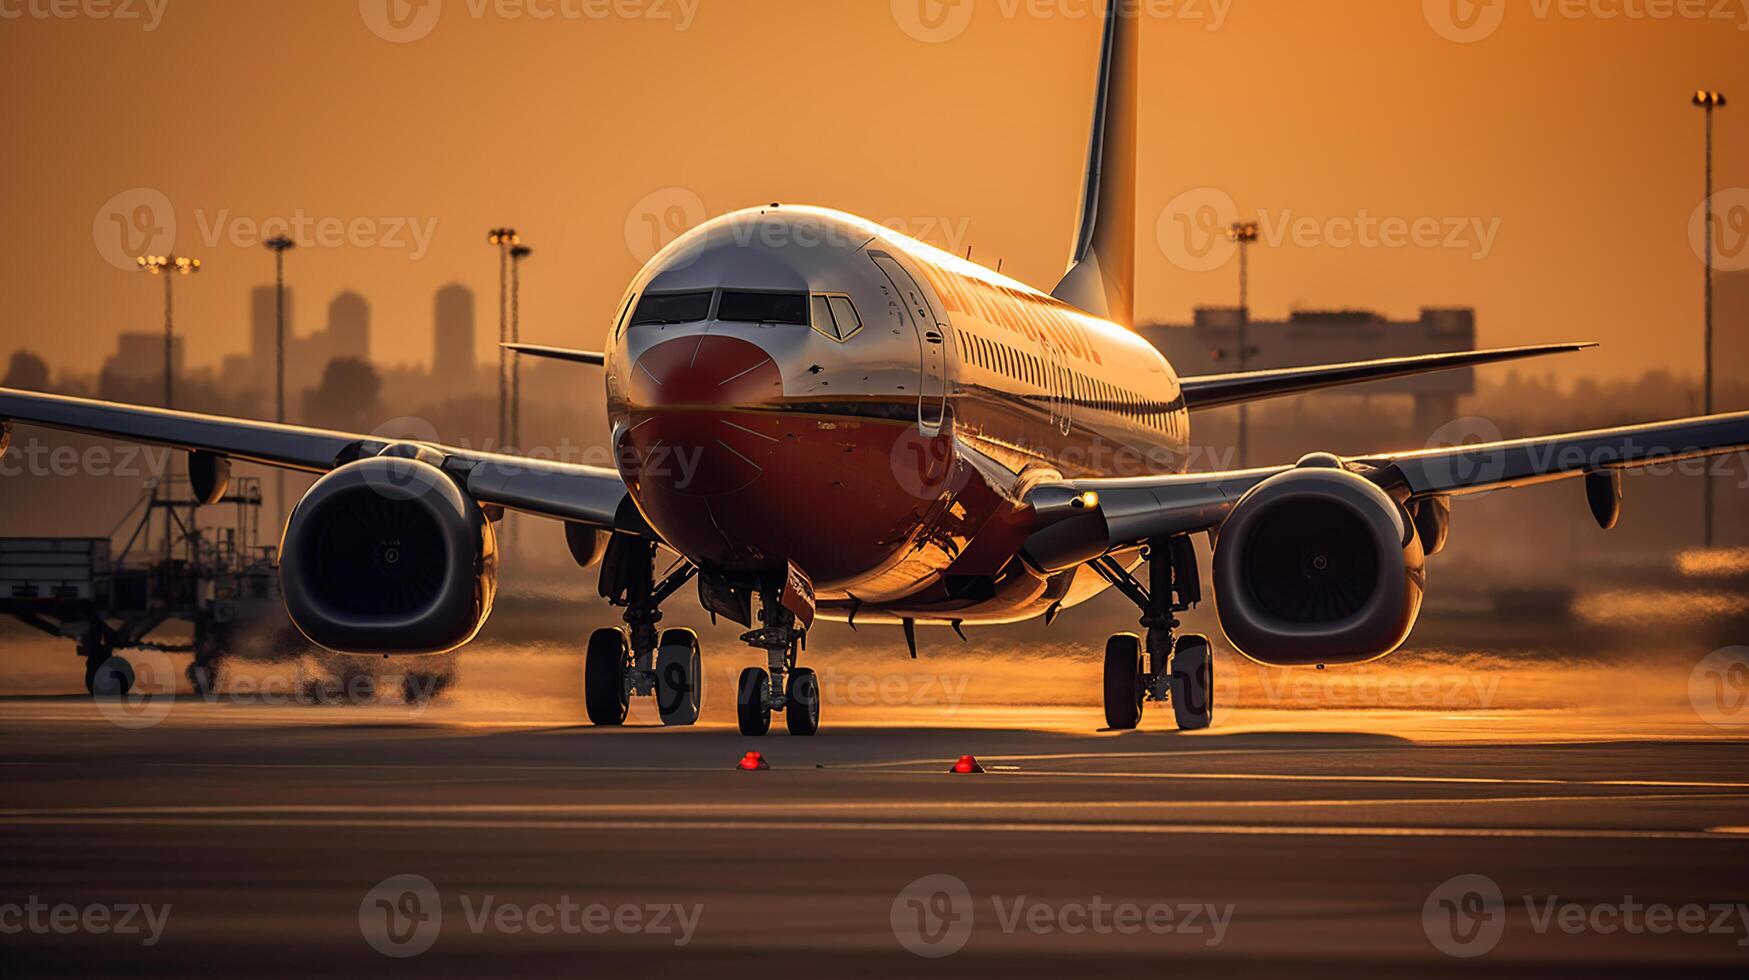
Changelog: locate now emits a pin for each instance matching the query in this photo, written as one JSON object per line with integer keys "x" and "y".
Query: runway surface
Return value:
{"x": 278, "y": 840}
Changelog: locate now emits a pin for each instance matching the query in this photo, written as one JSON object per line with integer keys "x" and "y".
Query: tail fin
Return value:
{"x": 1102, "y": 271}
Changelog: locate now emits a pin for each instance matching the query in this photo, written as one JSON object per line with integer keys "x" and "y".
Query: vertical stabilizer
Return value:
{"x": 1102, "y": 269}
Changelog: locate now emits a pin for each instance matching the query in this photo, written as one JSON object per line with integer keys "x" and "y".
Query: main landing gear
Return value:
{"x": 1164, "y": 667}
{"x": 637, "y": 661}
{"x": 781, "y": 686}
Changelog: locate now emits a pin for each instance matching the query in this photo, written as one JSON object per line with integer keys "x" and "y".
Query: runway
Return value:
{"x": 278, "y": 841}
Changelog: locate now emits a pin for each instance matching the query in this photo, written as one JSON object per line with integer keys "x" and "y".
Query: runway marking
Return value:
{"x": 657, "y": 810}
{"x": 820, "y": 826}
{"x": 883, "y": 769}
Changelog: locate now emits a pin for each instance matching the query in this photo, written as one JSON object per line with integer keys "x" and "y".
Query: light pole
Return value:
{"x": 1709, "y": 101}
{"x": 169, "y": 267}
{"x": 1244, "y": 234}
{"x": 279, "y": 246}
{"x": 504, "y": 239}
{"x": 517, "y": 254}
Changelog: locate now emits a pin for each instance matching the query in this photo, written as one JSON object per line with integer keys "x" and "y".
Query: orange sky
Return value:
{"x": 1563, "y": 145}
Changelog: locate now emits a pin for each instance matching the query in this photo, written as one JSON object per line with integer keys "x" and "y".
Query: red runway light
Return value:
{"x": 752, "y": 762}
{"x": 967, "y": 764}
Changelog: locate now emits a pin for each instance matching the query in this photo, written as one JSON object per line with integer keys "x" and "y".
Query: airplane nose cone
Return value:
{"x": 686, "y": 434}
{"x": 704, "y": 371}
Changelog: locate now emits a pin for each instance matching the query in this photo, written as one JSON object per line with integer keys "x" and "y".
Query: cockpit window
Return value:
{"x": 742, "y": 307}
{"x": 835, "y": 316}
{"x": 672, "y": 308}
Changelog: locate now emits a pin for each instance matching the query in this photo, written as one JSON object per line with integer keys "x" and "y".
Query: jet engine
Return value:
{"x": 388, "y": 555}
{"x": 1318, "y": 566}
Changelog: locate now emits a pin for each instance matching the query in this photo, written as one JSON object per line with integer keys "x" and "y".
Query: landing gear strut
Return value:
{"x": 637, "y": 661}
{"x": 1164, "y": 667}
{"x": 781, "y": 685}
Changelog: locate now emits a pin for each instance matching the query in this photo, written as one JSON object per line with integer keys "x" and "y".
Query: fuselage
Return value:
{"x": 792, "y": 385}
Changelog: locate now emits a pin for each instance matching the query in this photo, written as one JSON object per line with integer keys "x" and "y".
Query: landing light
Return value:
{"x": 967, "y": 764}
{"x": 752, "y": 762}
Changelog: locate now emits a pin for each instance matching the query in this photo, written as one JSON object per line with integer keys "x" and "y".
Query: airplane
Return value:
{"x": 824, "y": 418}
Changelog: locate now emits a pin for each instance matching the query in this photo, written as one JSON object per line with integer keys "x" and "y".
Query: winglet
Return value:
{"x": 558, "y": 353}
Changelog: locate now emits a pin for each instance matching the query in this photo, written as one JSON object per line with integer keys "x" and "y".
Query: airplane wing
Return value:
{"x": 1098, "y": 515}
{"x": 1217, "y": 390}
{"x": 580, "y": 494}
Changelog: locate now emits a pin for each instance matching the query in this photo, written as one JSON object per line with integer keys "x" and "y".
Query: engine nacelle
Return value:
{"x": 388, "y": 555}
{"x": 1318, "y": 566}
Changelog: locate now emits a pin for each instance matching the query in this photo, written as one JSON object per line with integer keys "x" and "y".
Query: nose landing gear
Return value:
{"x": 781, "y": 685}
{"x": 1179, "y": 669}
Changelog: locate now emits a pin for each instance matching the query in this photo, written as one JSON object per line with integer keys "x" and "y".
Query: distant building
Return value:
{"x": 349, "y": 327}
{"x": 264, "y": 330}
{"x": 140, "y": 357}
{"x": 453, "y": 366}
{"x": 1210, "y": 345}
